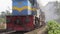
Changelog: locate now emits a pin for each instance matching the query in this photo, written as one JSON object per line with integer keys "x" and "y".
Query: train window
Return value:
{"x": 18, "y": 22}
{"x": 8, "y": 20}
{"x": 32, "y": 1}
{"x": 27, "y": 20}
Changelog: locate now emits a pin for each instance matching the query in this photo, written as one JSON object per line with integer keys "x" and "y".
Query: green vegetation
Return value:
{"x": 2, "y": 23}
{"x": 53, "y": 27}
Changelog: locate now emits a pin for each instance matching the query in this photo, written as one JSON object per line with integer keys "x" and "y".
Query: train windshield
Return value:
{"x": 32, "y": 2}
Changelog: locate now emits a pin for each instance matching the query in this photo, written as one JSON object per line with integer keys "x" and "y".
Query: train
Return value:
{"x": 26, "y": 16}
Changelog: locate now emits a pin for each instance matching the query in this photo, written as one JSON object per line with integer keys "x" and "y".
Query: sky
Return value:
{"x": 6, "y": 4}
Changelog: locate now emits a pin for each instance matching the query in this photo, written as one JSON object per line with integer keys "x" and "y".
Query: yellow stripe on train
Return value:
{"x": 23, "y": 8}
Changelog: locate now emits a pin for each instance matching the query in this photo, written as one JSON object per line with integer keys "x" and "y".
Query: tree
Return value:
{"x": 2, "y": 14}
{"x": 7, "y": 12}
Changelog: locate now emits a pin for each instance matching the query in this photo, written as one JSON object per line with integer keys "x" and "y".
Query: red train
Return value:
{"x": 20, "y": 23}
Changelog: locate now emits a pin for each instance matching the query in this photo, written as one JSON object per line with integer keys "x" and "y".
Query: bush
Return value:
{"x": 53, "y": 27}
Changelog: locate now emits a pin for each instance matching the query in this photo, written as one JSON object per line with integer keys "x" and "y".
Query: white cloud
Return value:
{"x": 44, "y": 2}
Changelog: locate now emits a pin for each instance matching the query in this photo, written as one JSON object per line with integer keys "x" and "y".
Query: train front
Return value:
{"x": 22, "y": 18}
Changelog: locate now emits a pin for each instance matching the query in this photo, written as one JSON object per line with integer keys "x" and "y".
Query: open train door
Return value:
{"x": 39, "y": 16}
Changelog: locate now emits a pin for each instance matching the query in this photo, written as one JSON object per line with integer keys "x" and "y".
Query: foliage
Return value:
{"x": 53, "y": 27}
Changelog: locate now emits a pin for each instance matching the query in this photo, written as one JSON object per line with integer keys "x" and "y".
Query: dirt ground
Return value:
{"x": 41, "y": 30}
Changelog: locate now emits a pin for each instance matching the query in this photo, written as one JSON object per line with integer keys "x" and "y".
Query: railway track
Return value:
{"x": 36, "y": 31}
